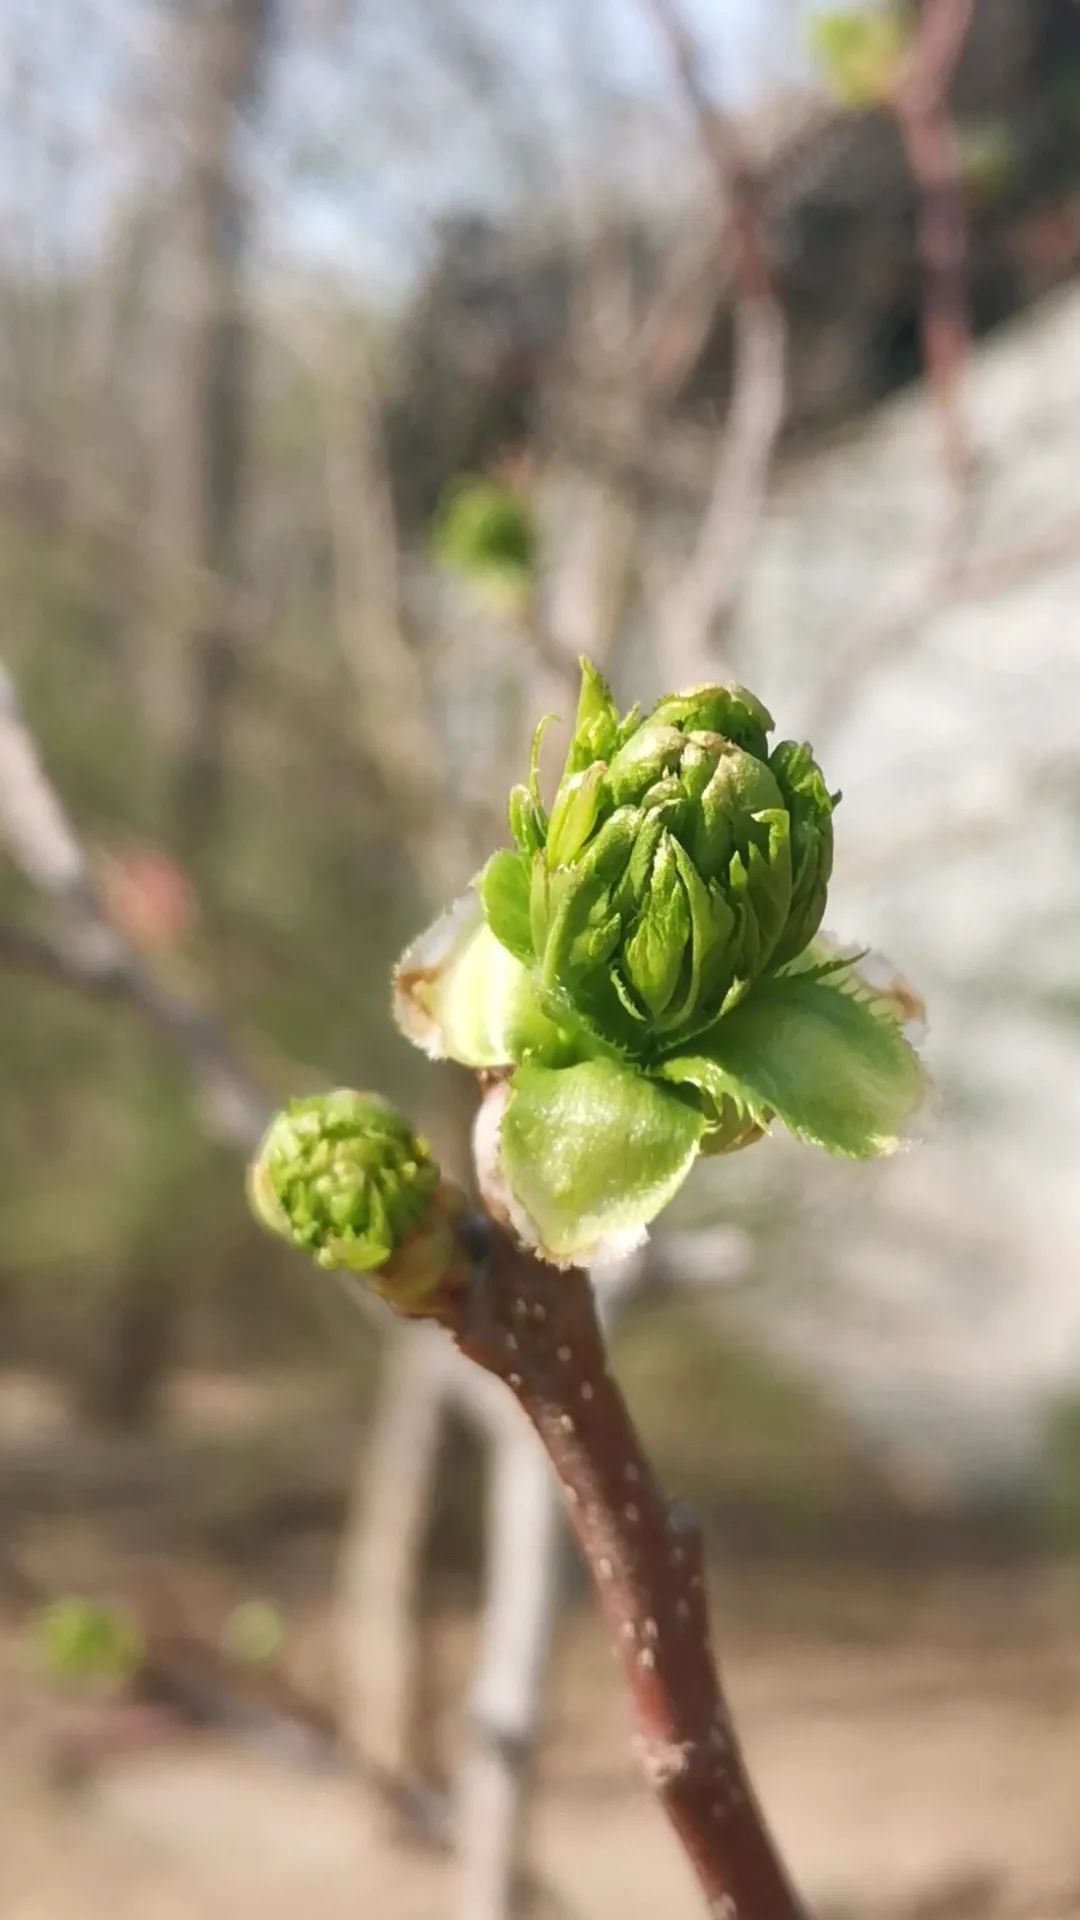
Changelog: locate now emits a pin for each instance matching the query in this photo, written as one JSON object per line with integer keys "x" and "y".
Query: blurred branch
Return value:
{"x": 912, "y": 602}
{"x": 702, "y": 598}
{"x": 1040, "y": 783}
{"x": 676, "y": 326}
{"x": 920, "y": 106}
{"x": 393, "y": 709}
{"x": 594, "y": 502}
{"x": 378, "y": 1581}
{"x": 31, "y": 954}
{"x": 144, "y": 565}
{"x": 95, "y": 954}
{"x": 121, "y": 543}
{"x": 205, "y": 456}
{"x": 523, "y": 1587}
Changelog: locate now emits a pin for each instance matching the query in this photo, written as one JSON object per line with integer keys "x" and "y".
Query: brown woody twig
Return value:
{"x": 535, "y": 1328}
{"x": 920, "y": 107}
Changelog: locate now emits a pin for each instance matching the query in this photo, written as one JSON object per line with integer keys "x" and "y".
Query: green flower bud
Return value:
{"x": 678, "y": 864}
{"x": 343, "y": 1176}
{"x": 640, "y": 974}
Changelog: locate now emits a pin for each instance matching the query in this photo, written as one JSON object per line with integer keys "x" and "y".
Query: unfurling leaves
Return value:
{"x": 644, "y": 964}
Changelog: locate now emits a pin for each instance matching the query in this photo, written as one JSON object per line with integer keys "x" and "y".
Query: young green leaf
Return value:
{"x": 504, "y": 888}
{"x": 827, "y": 1055}
{"x": 592, "y": 1153}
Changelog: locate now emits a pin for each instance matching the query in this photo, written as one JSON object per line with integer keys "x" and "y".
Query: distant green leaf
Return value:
{"x": 859, "y": 50}
{"x": 485, "y": 531}
{"x": 254, "y": 1632}
{"x": 81, "y": 1640}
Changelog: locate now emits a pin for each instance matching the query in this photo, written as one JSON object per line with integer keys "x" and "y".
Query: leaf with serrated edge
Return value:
{"x": 826, "y": 1053}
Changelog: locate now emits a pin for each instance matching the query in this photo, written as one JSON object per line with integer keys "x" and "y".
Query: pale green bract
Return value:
{"x": 643, "y": 971}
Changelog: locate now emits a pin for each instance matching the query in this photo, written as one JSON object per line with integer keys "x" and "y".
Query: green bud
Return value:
{"x": 666, "y": 883}
{"x": 641, "y": 977}
{"x": 654, "y": 950}
{"x": 343, "y": 1176}
{"x": 731, "y": 711}
{"x": 810, "y": 809}
{"x": 644, "y": 763}
{"x": 573, "y": 816}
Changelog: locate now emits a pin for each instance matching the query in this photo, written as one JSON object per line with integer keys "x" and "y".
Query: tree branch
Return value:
{"x": 407, "y": 753}
{"x": 535, "y": 1328}
{"x": 523, "y": 1587}
{"x": 910, "y": 602}
{"x": 920, "y": 108}
{"x": 95, "y": 954}
{"x": 703, "y": 597}
{"x": 381, "y": 1552}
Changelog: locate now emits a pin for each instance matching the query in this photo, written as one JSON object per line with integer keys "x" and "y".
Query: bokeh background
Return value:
{"x": 360, "y": 365}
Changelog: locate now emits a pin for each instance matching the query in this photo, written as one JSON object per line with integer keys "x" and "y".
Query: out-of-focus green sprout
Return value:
{"x": 990, "y": 158}
{"x": 344, "y": 1177}
{"x": 642, "y": 971}
{"x": 859, "y": 51}
{"x": 254, "y": 1632}
{"x": 84, "y": 1642}
{"x": 484, "y": 531}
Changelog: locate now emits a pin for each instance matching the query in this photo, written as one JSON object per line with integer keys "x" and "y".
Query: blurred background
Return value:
{"x": 360, "y": 365}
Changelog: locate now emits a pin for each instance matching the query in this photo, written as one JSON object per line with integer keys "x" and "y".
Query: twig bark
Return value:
{"x": 536, "y": 1329}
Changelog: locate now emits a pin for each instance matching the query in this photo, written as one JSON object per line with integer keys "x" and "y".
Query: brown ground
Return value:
{"x": 917, "y": 1742}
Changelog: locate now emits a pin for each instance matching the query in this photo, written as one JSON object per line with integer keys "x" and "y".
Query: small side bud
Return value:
{"x": 343, "y": 1176}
